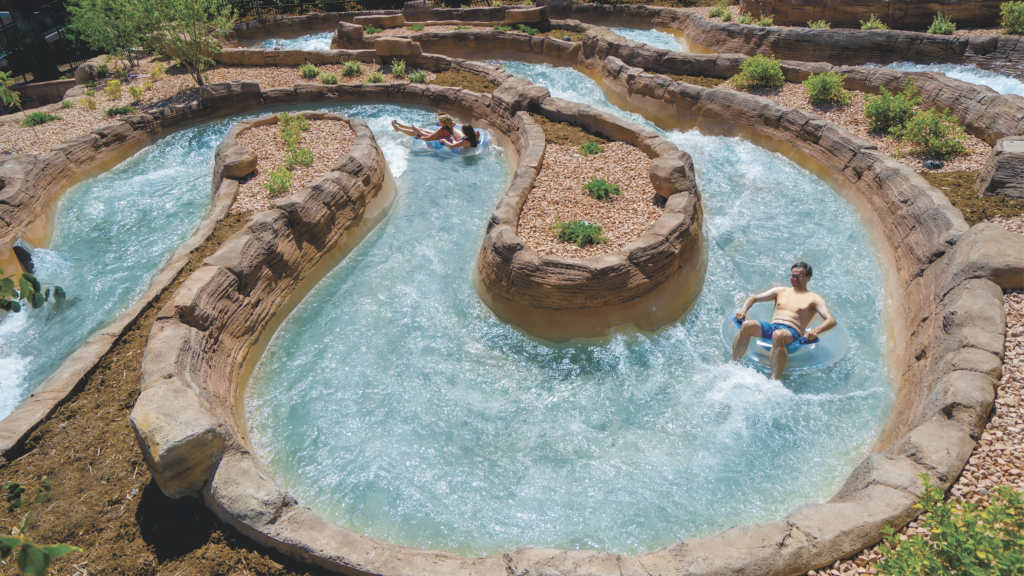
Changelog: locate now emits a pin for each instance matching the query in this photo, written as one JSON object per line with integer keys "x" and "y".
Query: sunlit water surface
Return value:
{"x": 1000, "y": 83}
{"x": 319, "y": 41}
{"x": 652, "y": 37}
{"x": 393, "y": 402}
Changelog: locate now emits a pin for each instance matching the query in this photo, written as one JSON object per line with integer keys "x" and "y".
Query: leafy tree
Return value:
{"x": 188, "y": 31}
{"x": 29, "y": 50}
{"x": 113, "y": 26}
{"x": 29, "y": 289}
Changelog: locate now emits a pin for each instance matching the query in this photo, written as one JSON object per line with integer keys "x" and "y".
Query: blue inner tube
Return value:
{"x": 804, "y": 355}
{"x": 438, "y": 148}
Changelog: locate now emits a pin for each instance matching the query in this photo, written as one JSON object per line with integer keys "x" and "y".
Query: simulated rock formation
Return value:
{"x": 903, "y": 15}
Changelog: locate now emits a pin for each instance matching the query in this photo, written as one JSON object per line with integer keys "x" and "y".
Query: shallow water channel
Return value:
{"x": 318, "y": 41}
{"x": 653, "y": 38}
{"x": 393, "y": 402}
{"x": 999, "y": 82}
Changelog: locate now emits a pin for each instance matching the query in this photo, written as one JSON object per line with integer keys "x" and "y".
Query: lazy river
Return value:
{"x": 393, "y": 402}
{"x": 653, "y": 38}
{"x": 1000, "y": 83}
{"x": 319, "y": 41}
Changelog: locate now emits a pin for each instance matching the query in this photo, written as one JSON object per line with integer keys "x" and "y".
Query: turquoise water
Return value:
{"x": 394, "y": 403}
{"x": 653, "y": 38}
{"x": 998, "y": 82}
{"x": 319, "y": 41}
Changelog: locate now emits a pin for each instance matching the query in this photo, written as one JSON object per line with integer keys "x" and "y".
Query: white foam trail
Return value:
{"x": 998, "y": 82}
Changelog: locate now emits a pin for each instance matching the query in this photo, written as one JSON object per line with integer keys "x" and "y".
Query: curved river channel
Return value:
{"x": 393, "y": 402}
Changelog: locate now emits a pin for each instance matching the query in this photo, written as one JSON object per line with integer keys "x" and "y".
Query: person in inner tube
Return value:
{"x": 470, "y": 139}
{"x": 446, "y": 131}
{"x": 795, "y": 307}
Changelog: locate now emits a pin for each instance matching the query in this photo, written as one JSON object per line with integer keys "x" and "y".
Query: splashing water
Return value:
{"x": 319, "y": 41}
{"x": 998, "y": 82}
{"x": 653, "y": 38}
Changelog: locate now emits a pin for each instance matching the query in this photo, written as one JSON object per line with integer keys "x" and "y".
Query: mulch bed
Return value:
{"x": 959, "y": 188}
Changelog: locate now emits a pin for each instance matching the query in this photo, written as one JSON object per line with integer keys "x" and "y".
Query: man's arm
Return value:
{"x": 762, "y": 297}
{"x": 828, "y": 324}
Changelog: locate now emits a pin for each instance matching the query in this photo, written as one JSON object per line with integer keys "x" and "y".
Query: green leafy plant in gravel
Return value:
{"x": 827, "y": 88}
{"x": 113, "y": 89}
{"x": 461, "y": 27}
{"x": 102, "y": 71}
{"x": 90, "y": 84}
{"x": 90, "y": 93}
{"x": 27, "y": 289}
{"x": 328, "y": 78}
{"x": 819, "y": 25}
{"x": 934, "y": 134}
{"x": 375, "y": 77}
{"x": 372, "y": 30}
{"x": 89, "y": 102}
{"x": 352, "y": 68}
{"x": 496, "y": 4}
{"x": 941, "y": 25}
{"x": 745, "y": 18}
{"x": 120, "y": 73}
{"x": 303, "y": 156}
{"x": 1012, "y": 14}
{"x": 417, "y": 27}
{"x": 759, "y": 71}
{"x": 887, "y": 110}
{"x": 873, "y": 23}
{"x": 965, "y": 539}
{"x": 418, "y": 77}
{"x": 719, "y": 10}
{"x": 135, "y": 92}
{"x": 528, "y": 30}
{"x": 591, "y": 148}
{"x": 308, "y": 70}
{"x": 398, "y": 68}
{"x": 578, "y": 232}
{"x": 147, "y": 86}
{"x": 156, "y": 72}
{"x": 37, "y": 118}
{"x": 120, "y": 111}
{"x": 33, "y": 559}
{"x": 601, "y": 190}
{"x": 67, "y": 104}
{"x": 727, "y": 16}
{"x": 500, "y": 28}
{"x": 278, "y": 181}
{"x": 764, "y": 20}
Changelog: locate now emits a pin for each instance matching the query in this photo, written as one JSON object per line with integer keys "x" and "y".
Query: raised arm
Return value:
{"x": 762, "y": 297}
{"x": 828, "y": 324}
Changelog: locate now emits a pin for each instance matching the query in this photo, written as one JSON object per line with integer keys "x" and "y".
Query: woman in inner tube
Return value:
{"x": 470, "y": 139}
{"x": 446, "y": 131}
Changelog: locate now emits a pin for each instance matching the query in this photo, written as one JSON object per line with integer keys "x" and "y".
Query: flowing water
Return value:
{"x": 394, "y": 403}
{"x": 319, "y": 41}
{"x": 998, "y": 82}
{"x": 653, "y": 38}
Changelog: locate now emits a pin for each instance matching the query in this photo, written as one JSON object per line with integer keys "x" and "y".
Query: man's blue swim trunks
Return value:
{"x": 767, "y": 329}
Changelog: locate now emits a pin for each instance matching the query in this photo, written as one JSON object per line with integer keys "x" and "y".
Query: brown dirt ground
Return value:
{"x": 565, "y": 133}
{"x": 959, "y": 188}
{"x": 705, "y": 81}
{"x": 559, "y": 34}
{"x": 105, "y": 499}
{"x": 463, "y": 79}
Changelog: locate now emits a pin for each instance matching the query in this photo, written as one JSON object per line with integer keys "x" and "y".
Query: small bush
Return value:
{"x": 418, "y": 77}
{"x": 719, "y": 10}
{"x": 302, "y": 156}
{"x": 90, "y": 93}
{"x": 147, "y": 86}
{"x": 375, "y": 77}
{"x": 398, "y": 68}
{"x": 113, "y": 89}
{"x": 461, "y": 27}
{"x": 328, "y": 78}
{"x": 417, "y": 27}
{"x": 827, "y": 88}
{"x": 768, "y": 20}
{"x": 873, "y": 23}
{"x": 600, "y": 189}
{"x": 156, "y": 72}
{"x": 941, "y": 25}
{"x": 727, "y": 16}
{"x": 759, "y": 71}
{"x": 120, "y": 110}
{"x": 500, "y": 28}
{"x": 67, "y": 104}
{"x": 373, "y": 30}
{"x": 591, "y": 148}
{"x": 964, "y": 538}
{"x": 745, "y": 18}
{"x": 934, "y": 134}
{"x": 495, "y": 3}
{"x": 38, "y": 118}
{"x": 1012, "y": 17}
{"x": 89, "y": 103}
{"x": 579, "y": 232}
{"x": 278, "y": 181}
{"x": 90, "y": 84}
{"x": 528, "y": 30}
{"x": 120, "y": 73}
{"x": 527, "y": 3}
{"x": 102, "y": 71}
{"x": 464, "y": 6}
{"x": 887, "y": 110}
{"x": 135, "y": 92}
{"x": 352, "y": 68}
{"x": 308, "y": 70}
{"x": 819, "y": 25}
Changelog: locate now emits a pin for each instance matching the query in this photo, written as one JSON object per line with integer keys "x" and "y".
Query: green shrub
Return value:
{"x": 67, "y": 104}
{"x": 745, "y": 18}
{"x": 819, "y": 24}
{"x": 120, "y": 110}
{"x": 302, "y": 156}
{"x": 120, "y": 73}
{"x": 500, "y": 28}
{"x": 464, "y": 6}
{"x": 156, "y": 72}
{"x": 398, "y": 68}
{"x": 934, "y": 134}
{"x": 495, "y": 3}
{"x": 727, "y": 16}
{"x": 102, "y": 71}
{"x": 308, "y": 70}
{"x": 147, "y": 86}
{"x": 759, "y": 71}
{"x": 352, "y": 68}
{"x": 417, "y": 27}
{"x": 768, "y": 20}
{"x": 418, "y": 77}
{"x": 719, "y": 10}
{"x": 528, "y": 30}
{"x": 135, "y": 92}
{"x": 827, "y": 88}
{"x": 873, "y": 23}
{"x": 461, "y": 27}
{"x": 90, "y": 93}
{"x": 887, "y": 110}
{"x": 90, "y": 84}
{"x": 328, "y": 78}
{"x": 278, "y": 181}
{"x": 1012, "y": 16}
{"x": 578, "y": 232}
{"x": 601, "y": 189}
{"x": 373, "y": 30}
{"x": 941, "y": 25}
{"x": 965, "y": 538}
{"x": 37, "y": 118}
{"x": 591, "y": 148}
{"x": 375, "y": 77}
{"x": 113, "y": 89}
{"x": 527, "y": 3}
{"x": 89, "y": 103}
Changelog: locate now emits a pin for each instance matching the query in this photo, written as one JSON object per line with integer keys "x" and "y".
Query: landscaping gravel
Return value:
{"x": 405, "y": 31}
{"x": 558, "y": 193}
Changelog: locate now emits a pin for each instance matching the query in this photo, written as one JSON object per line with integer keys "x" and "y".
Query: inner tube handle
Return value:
{"x": 804, "y": 341}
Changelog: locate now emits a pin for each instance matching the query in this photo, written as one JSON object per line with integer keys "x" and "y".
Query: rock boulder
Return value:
{"x": 384, "y": 21}
{"x": 526, "y": 15}
{"x": 346, "y": 36}
{"x": 1003, "y": 174}
{"x": 392, "y": 46}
